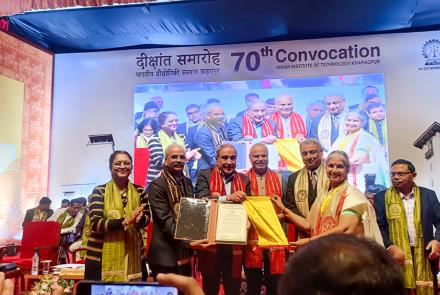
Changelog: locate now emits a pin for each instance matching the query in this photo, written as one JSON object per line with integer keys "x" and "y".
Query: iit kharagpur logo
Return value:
{"x": 431, "y": 51}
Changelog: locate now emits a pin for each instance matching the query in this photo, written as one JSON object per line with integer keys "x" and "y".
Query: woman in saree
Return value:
{"x": 365, "y": 153}
{"x": 158, "y": 143}
{"x": 118, "y": 213}
{"x": 340, "y": 208}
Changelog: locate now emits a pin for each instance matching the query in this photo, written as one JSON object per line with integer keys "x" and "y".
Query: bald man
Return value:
{"x": 264, "y": 182}
{"x": 289, "y": 123}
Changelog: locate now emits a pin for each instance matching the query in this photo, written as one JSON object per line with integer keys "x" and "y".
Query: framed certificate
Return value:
{"x": 220, "y": 223}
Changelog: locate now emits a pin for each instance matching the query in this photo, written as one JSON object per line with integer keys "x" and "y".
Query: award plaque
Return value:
{"x": 192, "y": 219}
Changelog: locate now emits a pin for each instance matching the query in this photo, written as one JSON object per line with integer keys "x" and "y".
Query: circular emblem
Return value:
{"x": 177, "y": 208}
{"x": 395, "y": 211}
{"x": 325, "y": 134}
{"x": 328, "y": 223}
{"x": 301, "y": 195}
{"x": 431, "y": 51}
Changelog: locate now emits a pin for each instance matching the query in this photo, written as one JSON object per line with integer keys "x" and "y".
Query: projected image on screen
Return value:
{"x": 343, "y": 112}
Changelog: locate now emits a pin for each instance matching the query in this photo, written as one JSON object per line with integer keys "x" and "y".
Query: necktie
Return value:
{"x": 313, "y": 179}
{"x": 336, "y": 122}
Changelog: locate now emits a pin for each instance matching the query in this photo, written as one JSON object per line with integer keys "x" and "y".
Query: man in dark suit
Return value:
{"x": 166, "y": 254}
{"x": 226, "y": 185}
{"x": 40, "y": 213}
{"x": 253, "y": 125}
{"x": 209, "y": 136}
{"x": 406, "y": 215}
{"x": 303, "y": 185}
{"x": 194, "y": 119}
{"x": 327, "y": 127}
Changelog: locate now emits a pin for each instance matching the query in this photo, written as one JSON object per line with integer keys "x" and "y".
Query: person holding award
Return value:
{"x": 166, "y": 254}
{"x": 225, "y": 184}
{"x": 264, "y": 182}
{"x": 339, "y": 209}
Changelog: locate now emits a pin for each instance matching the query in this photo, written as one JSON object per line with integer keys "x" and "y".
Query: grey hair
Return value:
{"x": 344, "y": 157}
{"x": 255, "y": 102}
{"x": 173, "y": 145}
{"x": 311, "y": 141}
{"x": 223, "y": 146}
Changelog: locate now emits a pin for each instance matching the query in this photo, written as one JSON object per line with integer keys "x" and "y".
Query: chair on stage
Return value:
{"x": 41, "y": 235}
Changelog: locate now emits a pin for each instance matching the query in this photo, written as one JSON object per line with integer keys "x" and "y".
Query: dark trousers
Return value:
{"x": 221, "y": 270}
{"x": 184, "y": 270}
{"x": 255, "y": 276}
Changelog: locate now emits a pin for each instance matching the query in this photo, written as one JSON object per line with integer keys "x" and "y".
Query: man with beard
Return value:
{"x": 329, "y": 126}
{"x": 210, "y": 135}
{"x": 166, "y": 254}
{"x": 227, "y": 185}
{"x": 406, "y": 215}
{"x": 264, "y": 182}
{"x": 304, "y": 185}
{"x": 289, "y": 123}
{"x": 253, "y": 125}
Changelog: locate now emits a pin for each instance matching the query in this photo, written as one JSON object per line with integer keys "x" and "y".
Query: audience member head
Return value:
{"x": 335, "y": 104}
{"x": 44, "y": 203}
{"x": 168, "y": 122}
{"x": 226, "y": 157}
{"x": 315, "y": 108}
{"x": 215, "y": 114}
{"x": 341, "y": 264}
{"x": 337, "y": 166}
{"x": 74, "y": 207}
{"x": 256, "y": 111}
{"x": 82, "y": 201}
{"x": 250, "y": 98}
{"x": 259, "y": 158}
{"x": 376, "y": 111}
{"x": 369, "y": 91}
{"x": 175, "y": 159}
{"x": 372, "y": 99}
{"x": 193, "y": 113}
{"x": 151, "y": 110}
{"x": 311, "y": 153}
{"x": 148, "y": 127}
{"x": 65, "y": 203}
{"x": 120, "y": 164}
{"x": 213, "y": 100}
{"x": 284, "y": 105}
{"x": 158, "y": 100}
{"x": 403, "y": 173}
{"x": 270, "y": 107}
{"x": 354, "y": 121}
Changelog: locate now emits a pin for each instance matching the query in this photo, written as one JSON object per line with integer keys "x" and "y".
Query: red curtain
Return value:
{"x": 11, "y": 7}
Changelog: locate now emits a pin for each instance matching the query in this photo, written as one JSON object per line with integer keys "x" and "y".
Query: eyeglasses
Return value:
{"x": 399, "y": 174}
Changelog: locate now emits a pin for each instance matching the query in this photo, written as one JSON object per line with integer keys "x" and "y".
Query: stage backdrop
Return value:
{"x": 25, "y": 111}
{"x": 93, "y": 92}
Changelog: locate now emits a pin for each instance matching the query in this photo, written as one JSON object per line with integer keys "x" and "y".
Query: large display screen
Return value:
{"x": 343, "y": 112}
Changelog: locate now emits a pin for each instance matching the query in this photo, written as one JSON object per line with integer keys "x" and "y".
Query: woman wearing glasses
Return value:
{"x": 158, "y": 143}
{"x": 118, "y": 213}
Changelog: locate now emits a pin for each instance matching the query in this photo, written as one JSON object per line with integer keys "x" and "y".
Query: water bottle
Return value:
{"x": 35, "y": 263}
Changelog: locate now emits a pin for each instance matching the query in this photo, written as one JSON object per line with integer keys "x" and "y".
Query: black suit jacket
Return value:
{"x": 430, "y": 216}
{"x": 202, "y": 185}
{"x": 289, "y": 197}
{"x": 30, "y": 215}
{"x": 164, "y": 249}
